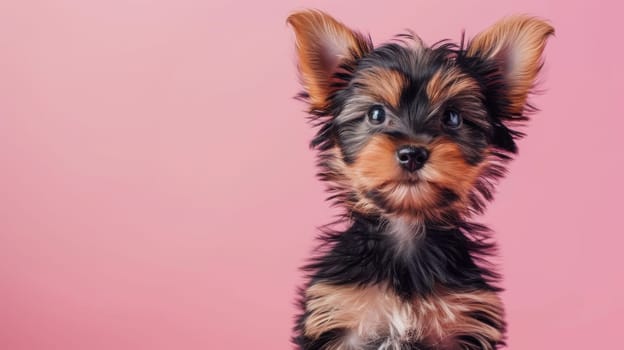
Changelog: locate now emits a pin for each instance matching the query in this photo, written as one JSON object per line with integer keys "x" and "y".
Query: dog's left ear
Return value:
{"x": 323, "y": 44}
{"x": 516, "y": 45}
{"x": 512, "y": 49}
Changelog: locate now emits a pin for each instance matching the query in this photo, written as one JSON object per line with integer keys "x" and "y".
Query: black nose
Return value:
{"x": 412, "y": 158}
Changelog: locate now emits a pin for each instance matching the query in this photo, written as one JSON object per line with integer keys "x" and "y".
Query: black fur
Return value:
{"x": 364, "y": 254}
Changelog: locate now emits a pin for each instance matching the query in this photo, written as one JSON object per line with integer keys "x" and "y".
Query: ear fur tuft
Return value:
{"x": 515, "y": 44}
{"x": 323, "y": 44}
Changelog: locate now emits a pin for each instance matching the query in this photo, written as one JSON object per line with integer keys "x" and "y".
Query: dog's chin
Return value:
{"x": 407, "y": 187}
{"x": 406, "y": 196}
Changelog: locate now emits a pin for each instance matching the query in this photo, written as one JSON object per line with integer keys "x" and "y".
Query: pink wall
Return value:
{"x": 157, "y": 191}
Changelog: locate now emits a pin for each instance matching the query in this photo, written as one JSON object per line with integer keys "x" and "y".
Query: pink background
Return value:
{"x": 157, "y": 191}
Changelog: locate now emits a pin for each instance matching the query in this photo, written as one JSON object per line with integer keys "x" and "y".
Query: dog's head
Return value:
{"x": 411, "y": 130}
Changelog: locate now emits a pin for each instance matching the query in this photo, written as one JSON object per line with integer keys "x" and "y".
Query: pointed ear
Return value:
{"x": 515, "y": 46}
{"x": 323, "y": 44}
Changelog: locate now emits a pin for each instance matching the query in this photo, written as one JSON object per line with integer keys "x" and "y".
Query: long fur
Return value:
{"x": 405, "y": 247}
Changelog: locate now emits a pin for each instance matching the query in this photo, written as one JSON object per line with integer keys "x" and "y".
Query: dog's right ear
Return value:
{"x": 323, "y": 44}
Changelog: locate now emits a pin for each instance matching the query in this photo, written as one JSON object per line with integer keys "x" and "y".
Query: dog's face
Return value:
{"x": 411, "y": 130}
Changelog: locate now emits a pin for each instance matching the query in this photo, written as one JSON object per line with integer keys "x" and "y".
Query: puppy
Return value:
{"x": 411, "y": 139}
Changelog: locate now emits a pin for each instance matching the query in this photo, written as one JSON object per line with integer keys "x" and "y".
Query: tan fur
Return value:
{"x": 448, "y": 83}
{"x": 376, "y": 163}
{"x": 322, "y": 42}
{"x": 376, "y": 169}
{"x": 447, "y": 168}
{"x": 448, "y": 314}
{"x": 516, "y": 42}
{"x": 341, "y": 176}
{"x": 368, "y": 312}
{"x": 375, "y": 311}
{"x": 383, "y": 84}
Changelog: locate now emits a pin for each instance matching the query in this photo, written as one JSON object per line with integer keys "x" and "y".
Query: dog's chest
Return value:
{"x": 374, "y": 315}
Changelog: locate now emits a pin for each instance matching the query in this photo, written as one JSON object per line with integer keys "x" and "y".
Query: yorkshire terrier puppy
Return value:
{"x": 411, "y": 139}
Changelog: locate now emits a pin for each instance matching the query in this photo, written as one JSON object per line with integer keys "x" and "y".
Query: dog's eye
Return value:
{"x": 376, "y": 115}
{"x": 452, "y": 119}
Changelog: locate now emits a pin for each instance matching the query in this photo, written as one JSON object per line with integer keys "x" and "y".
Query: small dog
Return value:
{"x": 411, "y": 141}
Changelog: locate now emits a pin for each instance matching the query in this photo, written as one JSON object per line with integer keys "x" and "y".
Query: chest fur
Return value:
{"x": 376, "y": 315}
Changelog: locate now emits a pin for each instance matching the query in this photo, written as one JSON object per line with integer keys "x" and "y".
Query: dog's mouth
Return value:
{"x": 411, "y": 195}
{"x": 400, "y": 195}
{"x": 412, "y": 181}
{"x": 403, "y": 180}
